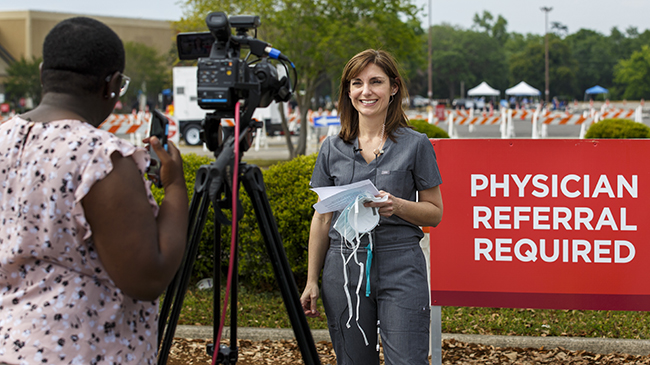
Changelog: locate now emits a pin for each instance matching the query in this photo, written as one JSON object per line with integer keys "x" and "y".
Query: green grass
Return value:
{"x": 255, "y": 309}
{"x": 264, "y": 309}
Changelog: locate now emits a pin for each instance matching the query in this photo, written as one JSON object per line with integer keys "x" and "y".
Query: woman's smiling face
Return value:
{"x": 370, "y": 91}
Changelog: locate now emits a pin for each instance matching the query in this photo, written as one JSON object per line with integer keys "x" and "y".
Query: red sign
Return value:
{"x": 560, "y": 224}
{"x": 440, "y": 111}
{"x": 4, "y": 108}
{"x": 172, "y": 133}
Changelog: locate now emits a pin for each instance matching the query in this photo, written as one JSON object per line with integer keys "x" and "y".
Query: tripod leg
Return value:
{"x": 170, "y": 293}
{"x": 254, "y": 185}
{"x": 178, "y": 293}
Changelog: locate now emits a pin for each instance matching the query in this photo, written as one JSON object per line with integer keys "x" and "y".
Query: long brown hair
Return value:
{"x": 395, "y": 117}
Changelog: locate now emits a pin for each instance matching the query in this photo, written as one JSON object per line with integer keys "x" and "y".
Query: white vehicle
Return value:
{"x": 190, "y": 115}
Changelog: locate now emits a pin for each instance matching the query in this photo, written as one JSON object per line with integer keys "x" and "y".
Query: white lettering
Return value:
{"x": 521, "y": 184}
{"x": 538, "y": 217}
{"x": 530, "y": 255}
{"x": 580, "y": 219}
{"x": 494, "y": 185}
{"x": 622, "y": 183}
{"x": 598, "y": 251}
{"x": 617, "y": 251}
{"x": 624, "y": 226}
{"x": 556, "y": 250}
{"x": 485, "y": 251}
{"x": 499, "y": 217}
{"x": 564, "y": 220}
{"x": 607, "y": 219}
{"x": 577, "y": 252}
{"x": 476, "y": 187}
{"x": 478, "y": 218}
{"x": 519, "y": 217}
{"x": 500, "y": 250}
{"x": 565, "y": 190}
{"x": 536, "y": 183}
{"x": 603, "y": 186}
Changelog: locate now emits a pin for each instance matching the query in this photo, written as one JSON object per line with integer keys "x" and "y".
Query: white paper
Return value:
{"x": 338, "y": 197}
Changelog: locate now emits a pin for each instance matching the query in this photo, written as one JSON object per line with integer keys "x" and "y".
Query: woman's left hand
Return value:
{"x": 385, "y": 208}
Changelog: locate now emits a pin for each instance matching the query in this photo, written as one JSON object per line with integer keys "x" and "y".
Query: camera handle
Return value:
{"x": 209, "y": 186}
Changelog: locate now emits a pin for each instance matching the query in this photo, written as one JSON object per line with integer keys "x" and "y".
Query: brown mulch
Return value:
{"x": 189, "y": 351}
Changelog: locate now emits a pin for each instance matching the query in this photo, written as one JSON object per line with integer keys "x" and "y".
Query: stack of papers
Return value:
{"x": 334, "y": 198}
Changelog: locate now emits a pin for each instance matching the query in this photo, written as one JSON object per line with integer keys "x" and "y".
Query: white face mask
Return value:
{"x": 356, "y": 219}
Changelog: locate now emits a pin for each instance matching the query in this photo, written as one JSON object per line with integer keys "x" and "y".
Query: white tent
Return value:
{"x": 483, "y": 89}
{"x": 523, "y": 89}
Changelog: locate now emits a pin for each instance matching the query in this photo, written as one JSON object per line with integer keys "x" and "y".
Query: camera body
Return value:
{"x": 224, "y": 78}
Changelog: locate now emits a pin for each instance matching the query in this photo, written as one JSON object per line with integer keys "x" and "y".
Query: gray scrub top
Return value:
{"x": 408, "y": 165}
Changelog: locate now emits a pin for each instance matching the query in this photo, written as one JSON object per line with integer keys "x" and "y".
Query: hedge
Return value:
{"x": 618, "y": 128}
{"x": 291, "y": 200}
{"x": 431, "y": 130}
{"x": 287, "y": 189}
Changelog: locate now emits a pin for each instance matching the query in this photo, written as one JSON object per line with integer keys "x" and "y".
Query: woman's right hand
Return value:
{"x": 171, "y": 170}
{"x": 308, "y": 300}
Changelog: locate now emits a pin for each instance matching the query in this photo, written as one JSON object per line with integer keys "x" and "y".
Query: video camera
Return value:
{"x": 223, "y": 77}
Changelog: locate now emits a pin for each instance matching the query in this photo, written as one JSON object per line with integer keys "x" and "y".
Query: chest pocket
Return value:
{"x": 397, "y": 182}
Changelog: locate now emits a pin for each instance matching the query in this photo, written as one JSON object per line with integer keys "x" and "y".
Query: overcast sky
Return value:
{"x": 523, "y": 16}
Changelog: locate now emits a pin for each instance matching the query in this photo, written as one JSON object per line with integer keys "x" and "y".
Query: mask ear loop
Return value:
{"x": 360, "y": 264}
{"x": 355, "y": 248}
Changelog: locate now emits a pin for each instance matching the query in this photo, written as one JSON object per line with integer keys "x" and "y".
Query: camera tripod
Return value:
{"x": 211, "y": 184}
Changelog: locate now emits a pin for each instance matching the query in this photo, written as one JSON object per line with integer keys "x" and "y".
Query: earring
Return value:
{"x": 112, "y": 95}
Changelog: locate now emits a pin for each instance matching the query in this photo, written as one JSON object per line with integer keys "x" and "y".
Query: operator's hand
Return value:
{"x": 171, "y": 170}
{"x": 385, "y": 208}
{"x": 308, "y": 300}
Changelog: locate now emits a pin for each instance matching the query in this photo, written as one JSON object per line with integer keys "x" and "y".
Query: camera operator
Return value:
{"x": 85, "y": 251}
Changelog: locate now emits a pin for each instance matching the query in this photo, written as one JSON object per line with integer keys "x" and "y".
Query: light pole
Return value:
{"x": 430, "y": 67}
{"x": 546, "y": 10}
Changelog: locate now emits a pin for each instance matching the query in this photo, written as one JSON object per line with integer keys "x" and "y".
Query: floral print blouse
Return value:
{"x": 57, "y": 303}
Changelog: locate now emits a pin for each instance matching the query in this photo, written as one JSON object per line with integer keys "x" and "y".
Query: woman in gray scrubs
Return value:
{"x": 376, "y": 143}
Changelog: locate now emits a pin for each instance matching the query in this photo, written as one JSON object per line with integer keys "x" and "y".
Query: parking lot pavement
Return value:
{"x": 276, "y": 149}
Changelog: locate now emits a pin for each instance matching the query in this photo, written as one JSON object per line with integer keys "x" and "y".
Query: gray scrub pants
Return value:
{"x": 399, "y": 299}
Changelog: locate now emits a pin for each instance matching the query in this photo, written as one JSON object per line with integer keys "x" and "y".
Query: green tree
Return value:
{"x": 633, "y": 74}
{"x": 466, "y": 56}
{"x": 591, "y": 52}
{"x": 24, "y": 81}
{"x": 148, "y": 70}
{"x": 528, "y": 65}
{"x": 319, "y": 37}
{"x": 495, "y": 28}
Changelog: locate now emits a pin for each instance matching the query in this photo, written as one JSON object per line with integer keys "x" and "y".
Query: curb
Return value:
{"x": 593, "y": 345}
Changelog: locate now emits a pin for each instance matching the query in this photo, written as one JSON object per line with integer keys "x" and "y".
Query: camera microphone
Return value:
{"x": 260, "y": 48}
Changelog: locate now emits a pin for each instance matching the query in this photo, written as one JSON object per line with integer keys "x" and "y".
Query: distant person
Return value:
{"x": 85, "y": 250}
{"x": 375, "y": 143}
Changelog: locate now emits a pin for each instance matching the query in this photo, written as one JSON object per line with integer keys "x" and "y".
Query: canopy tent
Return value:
{"x": 596, "y": 90}
{"x": 483, "y": 89}
{"x": 523, "y": 89}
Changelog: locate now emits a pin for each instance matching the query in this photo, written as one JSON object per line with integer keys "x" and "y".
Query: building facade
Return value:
{"x": 22, "y": 34}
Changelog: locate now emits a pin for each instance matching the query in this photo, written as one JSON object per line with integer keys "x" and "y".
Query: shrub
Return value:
{"x": 203, "y": 266}
{"x": 618, "y": 128}
{"x": 287, "y": 189}
{"x": 431, "y": 130}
